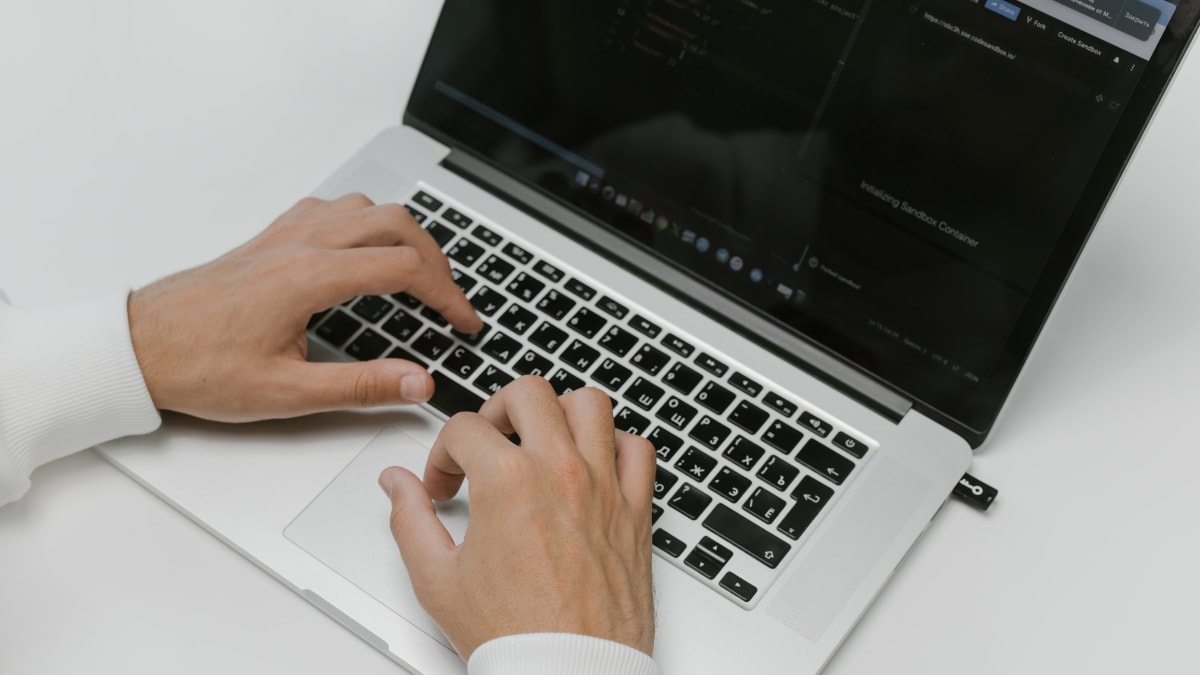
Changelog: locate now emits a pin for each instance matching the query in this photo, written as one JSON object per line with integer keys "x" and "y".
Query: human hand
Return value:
{"x": 226, "y": 341}
{"x": 559, "y": 535}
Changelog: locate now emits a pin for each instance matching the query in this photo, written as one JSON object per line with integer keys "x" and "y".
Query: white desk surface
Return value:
{"x": 141, "y": 136}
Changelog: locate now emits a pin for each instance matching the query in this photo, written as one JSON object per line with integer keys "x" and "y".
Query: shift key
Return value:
{"x": 744, "y": 534}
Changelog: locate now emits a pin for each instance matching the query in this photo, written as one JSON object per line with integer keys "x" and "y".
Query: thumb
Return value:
{"x": 325, "y": 387}
{"x": 423, "y": 541}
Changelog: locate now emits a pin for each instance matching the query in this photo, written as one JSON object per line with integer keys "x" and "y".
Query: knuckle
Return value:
{"x": 394, "y": 213}
{"x": 358, "y": 200}
{"x": 367, "y": 388}
{"x": 407, "y": 257}
{"x": 592, "y": 397}
{"x": 532, "y": 385}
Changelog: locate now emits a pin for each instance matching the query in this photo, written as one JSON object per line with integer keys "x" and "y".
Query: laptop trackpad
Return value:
{"x": 346, "y": 526}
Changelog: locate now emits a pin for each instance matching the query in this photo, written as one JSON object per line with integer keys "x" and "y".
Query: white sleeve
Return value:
{"x": 69, "y": 380}
{"x": 556, "y": 654}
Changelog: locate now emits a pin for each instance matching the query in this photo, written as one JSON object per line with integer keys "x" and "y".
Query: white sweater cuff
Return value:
{"x": 69, "y": 380}
{"x": 558, "y": 653}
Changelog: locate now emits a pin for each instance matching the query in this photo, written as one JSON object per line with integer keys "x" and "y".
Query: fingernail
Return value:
{"x": 414, "y": 388}
{"x": 385, "y": 482}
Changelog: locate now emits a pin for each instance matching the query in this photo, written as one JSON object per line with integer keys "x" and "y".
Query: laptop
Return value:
{"x": 805, "y": 247}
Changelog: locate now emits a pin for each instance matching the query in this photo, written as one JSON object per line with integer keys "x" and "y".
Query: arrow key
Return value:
{"x": 668, "y": 543}
{"x": 739, "y": 587}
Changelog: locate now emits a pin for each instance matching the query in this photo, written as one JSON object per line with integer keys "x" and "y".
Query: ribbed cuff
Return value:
{"x": 69, "y": 380}
{"x": 557, "y": 654}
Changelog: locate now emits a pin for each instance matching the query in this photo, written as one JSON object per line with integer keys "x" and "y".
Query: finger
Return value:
{"x": 306, "y": 205}
{"x": 424, "y": 543}
{"x": 529, "y": 407}
{"x": 636, "y": 464}
{"x": 589, "y": 416}
{"x": 465, "y": 443}
{"x": 383, "y": 225}
{"x": 354, "y": 201}
{"x": 324, "y": 387}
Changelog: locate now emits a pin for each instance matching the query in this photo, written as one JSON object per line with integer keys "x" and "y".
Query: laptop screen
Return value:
{"x": 906, "y": 183}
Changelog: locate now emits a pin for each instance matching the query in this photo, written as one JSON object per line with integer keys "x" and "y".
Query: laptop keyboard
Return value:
{"x": 745, "y": 469}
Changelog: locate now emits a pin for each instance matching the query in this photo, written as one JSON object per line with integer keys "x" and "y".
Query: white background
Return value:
{"x": 141, "y": 136}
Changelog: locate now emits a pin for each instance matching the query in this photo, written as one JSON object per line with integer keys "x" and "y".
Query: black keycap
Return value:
{"x": 372, "y": 308}
{"x": 748, "y": 416}
{"x": 440, "y": 233}
{"x": 764, "y": 505}
{"x": 526, "y": 287}
{"x": 663, "y": 482}
{"x": 745, "y": 385}
{"x": 730, "y": 484}
{"x": 715, "y": 549}
{"x": 710, "y": 432}
{"x": 549, "y": 271}
{"x": 517, "y": 253}
{"x": 417, "y": 214}
{"x": 744, "y": 534}
{"x": 495, "y": 269}
{"x": 740, "y": 588}
{"x": 668, "y": 543}
{"x": 612, "y": 374}
{"x": 780, "y": 404}
{"x": 450, "y": 397}
{"x": 579, "y": 356}
{"x": 517, "y": 319}
{"x": 696, "y": 464}
{"x": 678, "y": 345}
{"x": 434, "y": 317}
{"x": 586, "y": 322}
{"x": 428, "y": 201}
{"x": 690, "y": 501}
{"x": 486, "y": 236}
{"x": 705, "y": 564}
{"x": 464, "y": 281}
{"x": 643, "y": 393}
{"x": 401, "y": 353}
{"x": 628, "y": 421}
{"x": 502, "y": 348}
{"x": 612, "y": 307}
{"x": 466, "y": 252}
{"x": 338, "y": 328}
{"x": 532, "y": 363}
{"x": 744, "y": 453}
{"x": 406, "y": 300}
{"x": 618, "y": 341}
{"x": 815, "y": 424}
{"x": 825, "y": 461}
{"x": 555, "y": 304}
{"x": 676, "y": 413}
{"x": 777, "y": 473}
{"x": 368, "y": 345}
{"x": 650, "y": 359}
{"x": 402, "y": 325}
{"x": 457, "y": 219}
{"x": 487, "y": 301}
{"x": 682, "y": 378}
{"x": 656, "y": 512}
{"x": 665, "y": 443}
{"x": 645, "y": 326}
{"x": 316, "y": 319}
{"x": 462, "y": 362}
{"x": 579, "y": 288}
{"x": 492, "y": 380}
{"x": 715, "y": 397}
{"x": 548, "y": 337}
{"x": 712, "y": 365}
{"x": 782, "y": 437}
{"x": 432, "y": 344}
{"x": 811, "y": 496}
{"x": 850, "y": 445}
{"x": 473, "y": 339}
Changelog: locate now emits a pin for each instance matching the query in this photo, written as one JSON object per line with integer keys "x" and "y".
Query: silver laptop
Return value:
{"x": 804, "y": 247}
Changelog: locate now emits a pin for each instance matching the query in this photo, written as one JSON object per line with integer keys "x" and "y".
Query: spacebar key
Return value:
{"x": 743, "y": 533}
{"x": 450, "y": 397}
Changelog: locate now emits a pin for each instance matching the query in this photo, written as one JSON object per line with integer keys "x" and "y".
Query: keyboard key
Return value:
{"x": 465, "y": 252}
{"x": 464, "y": 281}
{"x": 643, "y": 393}
{"x": 764, "y": 505}
{"x": 417, "y": 214}
{"x": 587, "y": 323}
{"x": 495, "y": 269}
{"x": 744, "y": 534}
{"x": 579, "y": 356}
{"x": 696, "y": 464}
{"x": 678, "y": 345}
{"x": 850, "y": 445}
{"x": 663, "y": 482}
{"x": 665, "y": 443}
{"x": 712, "y": 365}
{"x": 645, "y": 326}
{"x": 676, "y": 413}
{"x": 549, "y": 271}
{"x": 748, "y": 416}
{"x": 526, "y": 287}
{"x": 780, "y": 404}
{"x": 548, "y": 337}
{"x": 744, "y": 453}
{"x": 668, "y": 543}
{"x": 404, "y": 354}
{"x": 487, "y": 301}
{"x": 746, "y": 385}
{"x": 316, "y": 319}
{"x": 710, "y": 432}
{"x": 502, "y": 348}
{"x": 517, "y": 253}
{"x": 492, "y": 380}
{"x": 428, "y": 201}
{"x": 402, "y": 325}
{"x": 517, "y": 319}
{"x": 778, "y": 473}
{"x": 457, "y": 219}
{"x": 406, "y": 300}
{"x": 715, "y": 549}
{"x": 579, "y": 288}
{"x": 368, "y": 345}
{"x": 555, "y": 304}
{"x": 656, "y": 512}
{"x": 486, "y": 236}
{"x": 705, "y": 564}
{"x": 729, "y": 484}
{"x": 532, "y": 363}
{"x": 564, "y": 382}
{"x": 782, "y": 437}
{"x": 682, "y": 378}
{"x": 612, "y": 374}
{"x": 440, "y": 233}
{"x": 618, "y": 341}
{"x": 628, "y": 421}
{"x": 740, "y": 588}
{"x": 462, "y": 362}
{"x": 473, "y": 339}
{"x": 650, "y": 359}
{"x": 437, "y": 319}
{"x": 612, "y": 307}
{"x": 715, "y": 397}
{"x": 815, "y": 424}
{"x": 690, "y": 501}
{"x": 432, "y": 344}
{"x": 825, "y": 461}
{"x": 338, "y": 328}
{"x": 811, "y": 496}
{"x": 450, "y": 397}
{"x": 372, "y": 308}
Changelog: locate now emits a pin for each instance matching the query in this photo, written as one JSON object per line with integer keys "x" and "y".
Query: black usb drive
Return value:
{"x": 975, "y": 492}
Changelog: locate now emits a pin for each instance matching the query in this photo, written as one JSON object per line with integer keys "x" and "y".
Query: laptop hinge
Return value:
{"x": 752, "y": 325}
